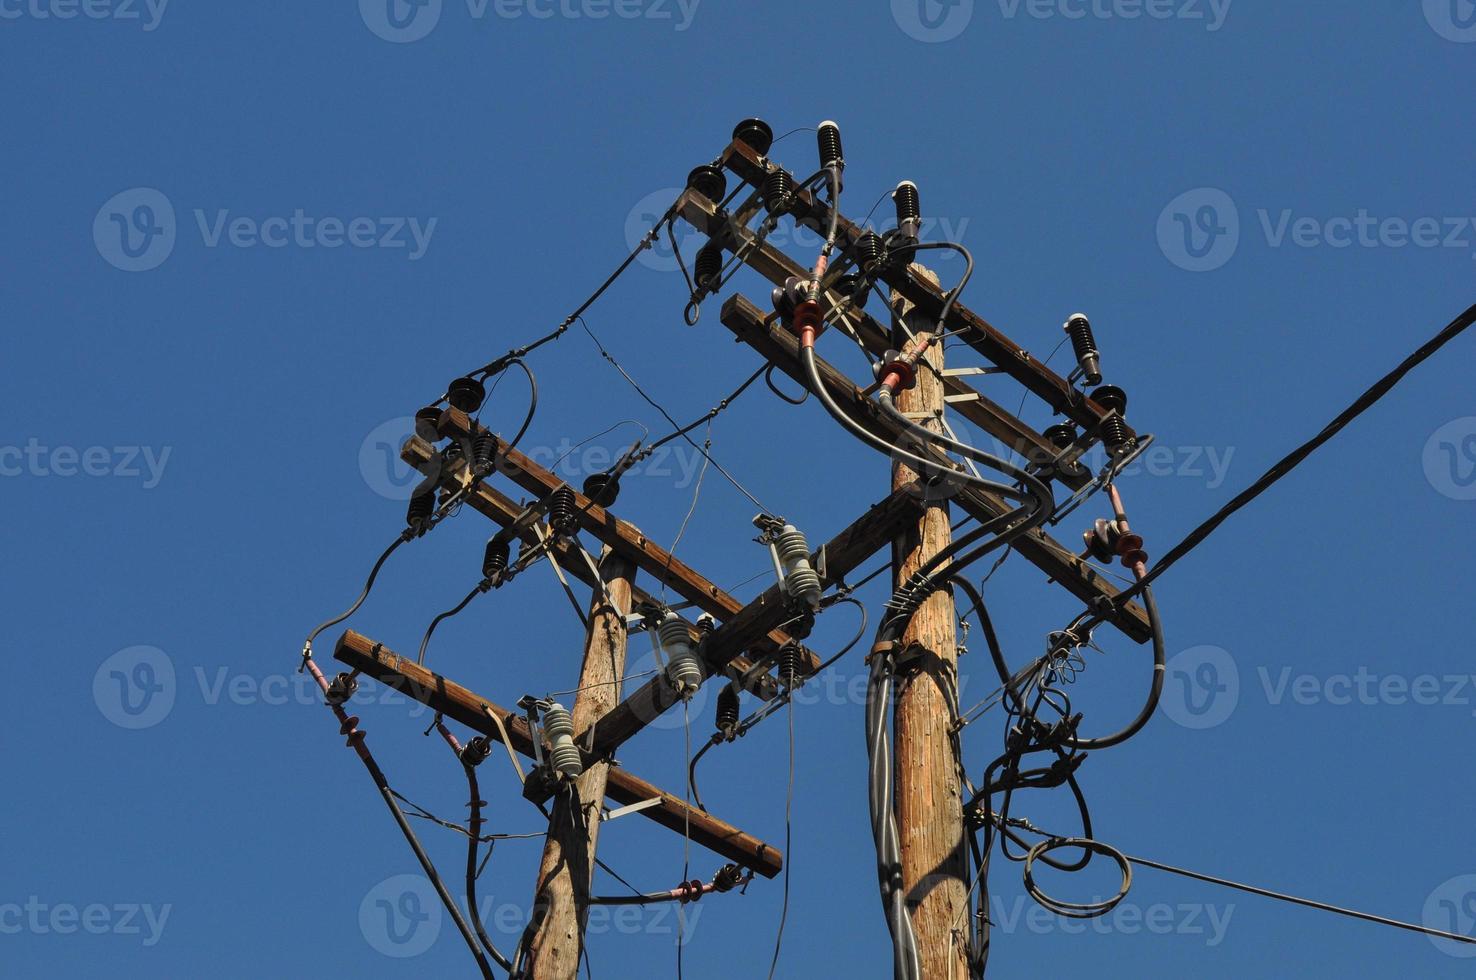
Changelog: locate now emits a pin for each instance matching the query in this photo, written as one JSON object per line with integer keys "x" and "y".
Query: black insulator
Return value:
{"x": 484, "y": 453}
{"x": 855, "y": 287}
{"x": 425, "y": 423}
{"x": 756, "y": 133}
{"x": 790, "y": 663}
{"x": 828, "y": 136}
{"x": 466, "y": 394}
{"x": 870, "y": 252}
{"x": 496, "y": 557}
{"x": 1061, "y": 436}
{"x": 422, "y": 506}
{"x": 727, "y": 710}
{"x": 708, "y": 266}
{"x": 475, "y": 752}
{"x": 909, "y": 209}
{"x": 563, "y": 514}
{"x": 1114, "y": 429}
{"x": 1079, "y": 329}
{"x": 1101, "y": 539}
{"x": 729, "y": 877}
{"x": 454, "y": 450}
{"x": 708, "y": 181}
{"x": 602, "y": 488}
{"x": 778, "y": 191}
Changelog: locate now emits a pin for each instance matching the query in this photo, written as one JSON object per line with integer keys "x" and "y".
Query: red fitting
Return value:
{"x": 898, "y": 375}
{"x": 807, "y": 321}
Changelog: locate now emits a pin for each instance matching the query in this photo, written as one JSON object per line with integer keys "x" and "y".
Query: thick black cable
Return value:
{"x": 368, "y": 585}
{"x": 1289, "y": 462}
{"x": 471, "y": 869}
{"x": 425, "y": 640}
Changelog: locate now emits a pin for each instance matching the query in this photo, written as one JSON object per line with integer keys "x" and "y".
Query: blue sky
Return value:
{"x": 331, "y": 211}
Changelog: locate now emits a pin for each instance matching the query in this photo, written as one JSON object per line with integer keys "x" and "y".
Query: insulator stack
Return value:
{"x": 1114, "y": 429}
{"x": 909, "y": 209}
{"x": 466, "y": 394}
{"x": 756, "y": 133}
{"x": 495, "y": 558}
{"x": 602, "y": 488}
{"x": 870, "y": 252}
{"x": 1101, "y": 539}
{"x": 563, "y": 514}
{"x": 1061, "y": 435}
{"x": 790, "y": 664}
{"x": 425, "y": 423}
{"x": 563, "y": 754}
{"x": 828, "y": 136}
{"x": 800, "y": 579}
{"x": 476, "y": 751}
{"x": 708, "y": 181}
{"x": 1079, "y": 329}
{"x": 708, "y": 266}
{"x": 484, "y": 453}
{"x": 422, "y": 507}
{"x": 727, "y": 711}
{"x": 682, "y": 669}
{"x": 778, "y": 191}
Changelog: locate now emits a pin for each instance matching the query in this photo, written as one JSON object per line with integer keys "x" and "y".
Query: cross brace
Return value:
{"x": 470, "y": 709}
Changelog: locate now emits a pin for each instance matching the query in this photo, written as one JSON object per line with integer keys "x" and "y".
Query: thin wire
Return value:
{"x": 667, "y": 415}
{"x": 553, "y": 467}
{"x": 788, "y": 843}
{"x": 590, "y": 687}
{"x": 696, "y": 495}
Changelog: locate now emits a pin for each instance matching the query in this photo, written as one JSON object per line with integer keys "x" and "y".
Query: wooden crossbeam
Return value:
{"x": 929, "y": 297}
{"x": 868, "y": 534}
{"x": 470, "y": 709}
{"x": 503, "y": 510}
{"x": 778, "y": 346}
{"x": 777, "y": 267}
{"x": 623, "y": 537}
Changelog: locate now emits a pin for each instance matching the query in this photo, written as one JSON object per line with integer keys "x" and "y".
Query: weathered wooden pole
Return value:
{"x": 561, "y": 901}
{"x": 929, "y": 804}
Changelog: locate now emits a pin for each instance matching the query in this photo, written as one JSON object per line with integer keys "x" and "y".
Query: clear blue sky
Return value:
{"x": 196, "y": 418}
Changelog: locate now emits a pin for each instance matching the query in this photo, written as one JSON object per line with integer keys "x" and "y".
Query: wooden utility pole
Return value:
{"x": 929, "y": 801}
{"x": 561, "y": 901}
